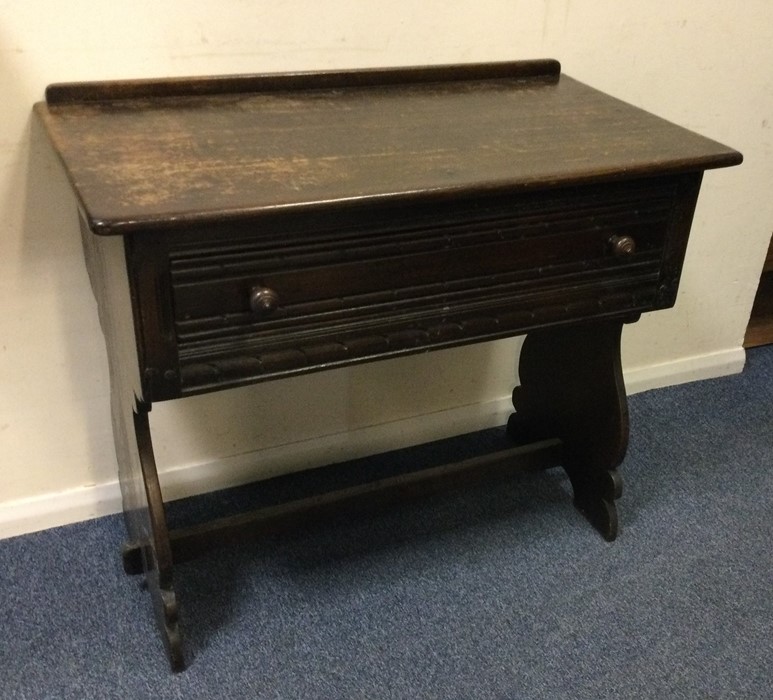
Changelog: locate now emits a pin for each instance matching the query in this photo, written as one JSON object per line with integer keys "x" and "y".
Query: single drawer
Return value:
{"x": 259, "y": 303}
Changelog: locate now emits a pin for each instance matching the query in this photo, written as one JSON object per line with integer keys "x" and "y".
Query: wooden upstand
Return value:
{"x": 239, "y": 229}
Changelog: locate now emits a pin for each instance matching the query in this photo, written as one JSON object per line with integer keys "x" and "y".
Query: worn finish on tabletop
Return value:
{"x": 158, "y": 159}
{"x": 245, "y": 228}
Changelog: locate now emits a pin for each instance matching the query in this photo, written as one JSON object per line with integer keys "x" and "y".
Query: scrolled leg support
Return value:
{"x": 572, "y": 388}
{"x": 149, "y": 550}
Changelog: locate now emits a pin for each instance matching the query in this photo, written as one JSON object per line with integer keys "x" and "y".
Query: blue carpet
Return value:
{"x": 496, "y": 592}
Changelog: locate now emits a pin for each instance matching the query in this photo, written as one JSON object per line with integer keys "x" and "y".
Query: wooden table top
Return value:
{"x": 167, "y": 152}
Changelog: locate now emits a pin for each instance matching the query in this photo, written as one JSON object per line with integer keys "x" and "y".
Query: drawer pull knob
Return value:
{"x": 622, "y": 246}
{"x": 263, "y": 301}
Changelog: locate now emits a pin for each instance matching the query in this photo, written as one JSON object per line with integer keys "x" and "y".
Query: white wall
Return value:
{"x": 703, "y": 65}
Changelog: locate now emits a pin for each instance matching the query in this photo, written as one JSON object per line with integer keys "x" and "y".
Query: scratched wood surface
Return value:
{"x": 151, "y": 158}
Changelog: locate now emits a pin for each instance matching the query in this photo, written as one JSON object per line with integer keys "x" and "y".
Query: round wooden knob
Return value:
{"x": 622, "y": 246}
{"x": 263, "y": 300}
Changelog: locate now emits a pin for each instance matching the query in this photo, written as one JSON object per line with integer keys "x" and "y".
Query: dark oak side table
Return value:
{"x": 239, "y": 229}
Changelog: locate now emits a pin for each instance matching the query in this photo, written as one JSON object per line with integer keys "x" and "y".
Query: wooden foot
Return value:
{"x": 596, "y": 501}
{"x": 131, "y": 556}
{"x": 572, "y": 388}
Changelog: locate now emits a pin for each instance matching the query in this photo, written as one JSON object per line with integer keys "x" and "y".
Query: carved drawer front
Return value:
{"x": 261, "y": 305}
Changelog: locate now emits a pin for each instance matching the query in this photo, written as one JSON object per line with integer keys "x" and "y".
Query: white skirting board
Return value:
{"x": 64, "y": 507}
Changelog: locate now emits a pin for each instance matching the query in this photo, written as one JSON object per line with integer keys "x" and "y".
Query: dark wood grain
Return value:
{"x": 542, "y": 70}
{"x": 281, "y": 224}
{"x": 571, "y": 387}
{"x": 523, "y": 263}
{"x": 402, "y": 283}
{"x": 365, "y": 499}
{"x": 148, "y": 551}
{"x": 168, "y": 161}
